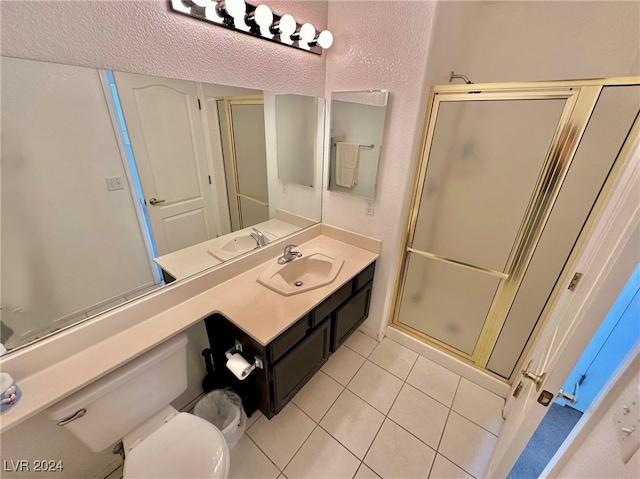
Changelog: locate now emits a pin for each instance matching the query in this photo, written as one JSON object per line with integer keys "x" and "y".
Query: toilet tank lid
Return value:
{"x": 186, "y": 447}
{"x": 71, "y": 404}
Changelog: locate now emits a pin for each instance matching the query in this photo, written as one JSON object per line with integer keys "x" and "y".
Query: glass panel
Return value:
{"x": 296, "y": 138}
{"x": 252, "y": 212}
{"x": 446, "y": 302}
{"x": 485, "y": 159}
{"x": 608, "y": 127}
{"x": 249, "y": 145}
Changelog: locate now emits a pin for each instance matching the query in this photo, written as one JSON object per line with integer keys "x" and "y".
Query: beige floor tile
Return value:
{"x": 317, "y": 396}
{"x": 361, "y": 343}
{"x": 322, "y": 457}
{"x": 376, "y": 386}
{"x": 397, "y": 454}
{"x": 353, "y": 422}
{"x": 281, "y": 437}
{"x": 434, "y": 380}
{"x": 365, "y": 472}
{"x": 248, "y": 462}
{"x": 342, "y": 365}
{"x": 394, "y": 357}
{"x": 421, "y": 415}
{"x": 481, "y": 406}
{"x": 254, "y": 417}
{"x": 445, "y": 469}
{"x": 467, "y": 445}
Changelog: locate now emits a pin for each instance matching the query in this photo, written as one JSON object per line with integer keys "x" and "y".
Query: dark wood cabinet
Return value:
{"x": 300, "y": 364}
{"x": 295, "y": 355}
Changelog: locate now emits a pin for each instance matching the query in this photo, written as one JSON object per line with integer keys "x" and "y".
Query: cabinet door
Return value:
{"x": 297, "y": 367}
{"x": 350, "y": 316}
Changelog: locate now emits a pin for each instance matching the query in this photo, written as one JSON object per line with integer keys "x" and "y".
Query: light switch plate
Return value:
{"x": 285, "y": 187}
{"x": 115, "y": 183}
{"x": 627, "y": 424}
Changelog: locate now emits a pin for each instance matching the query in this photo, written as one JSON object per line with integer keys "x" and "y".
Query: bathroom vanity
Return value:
{"x": 297, "y": 352}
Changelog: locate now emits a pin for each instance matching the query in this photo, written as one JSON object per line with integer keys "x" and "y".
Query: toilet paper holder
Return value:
{"x": 237, "y": 348}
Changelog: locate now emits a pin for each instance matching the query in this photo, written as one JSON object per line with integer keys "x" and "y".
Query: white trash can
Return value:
{"x": 224, "y": 410}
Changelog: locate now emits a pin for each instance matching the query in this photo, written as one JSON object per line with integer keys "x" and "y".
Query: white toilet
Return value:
{"x": 132, "y": 404}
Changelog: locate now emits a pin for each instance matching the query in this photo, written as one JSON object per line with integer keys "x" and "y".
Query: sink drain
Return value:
{"x": 298, "y": 283}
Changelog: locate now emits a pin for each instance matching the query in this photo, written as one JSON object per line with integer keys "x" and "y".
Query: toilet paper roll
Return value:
{"x": 239, "y": 366}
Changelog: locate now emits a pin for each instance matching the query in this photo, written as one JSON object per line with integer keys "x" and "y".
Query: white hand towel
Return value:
{"x": 347, "y": 159}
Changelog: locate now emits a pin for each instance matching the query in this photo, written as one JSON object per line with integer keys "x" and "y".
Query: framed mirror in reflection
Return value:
{"x": 115, "y": 184}
{"x": 357, "y": 125}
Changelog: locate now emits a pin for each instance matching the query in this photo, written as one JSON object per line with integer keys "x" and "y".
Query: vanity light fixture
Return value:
{"x": 256, "y": 21}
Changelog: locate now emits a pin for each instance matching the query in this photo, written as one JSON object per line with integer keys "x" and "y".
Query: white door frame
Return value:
{"x": 137, "y": 201}
{"x": 608, "y": 257}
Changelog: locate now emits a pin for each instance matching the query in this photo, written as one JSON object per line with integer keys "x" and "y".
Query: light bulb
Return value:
{"x": 234, "y": 9}
{"x": 211, "y": 13}
{"x": 306, "y": 34}
{"x": 262, "y": 16}
{"x": 325, "y": 39}
{"x": 287, "y": 26}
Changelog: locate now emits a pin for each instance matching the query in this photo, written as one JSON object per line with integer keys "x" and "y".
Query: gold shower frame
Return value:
{"x": 581, "y": 97}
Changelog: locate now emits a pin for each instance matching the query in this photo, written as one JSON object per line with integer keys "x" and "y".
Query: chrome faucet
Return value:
{"x": 259, "y": 237}
{"x": 289, "y": 254}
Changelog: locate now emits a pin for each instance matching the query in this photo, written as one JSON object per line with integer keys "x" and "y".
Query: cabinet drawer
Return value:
{"x": 289, "y": 338}
{"x": 364, "y": 277}
{"x": 331, "y": 303}
{"x": 297, "y": 367}
{"x": 350, "y": 316}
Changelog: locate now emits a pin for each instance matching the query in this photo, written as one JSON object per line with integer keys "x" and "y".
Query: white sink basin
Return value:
{"x": 315, "y": 269}
{"x": 235, "y": 246}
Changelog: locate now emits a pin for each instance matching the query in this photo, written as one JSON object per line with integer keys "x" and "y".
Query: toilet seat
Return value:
{"x": 184, "y": 447}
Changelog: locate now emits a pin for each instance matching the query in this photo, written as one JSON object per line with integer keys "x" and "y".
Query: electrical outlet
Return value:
{"x": 285, "y": 187}
{"x": 368, "y": 209}
{"x": 627, "y": 424}
{"x": 115, "y": 183}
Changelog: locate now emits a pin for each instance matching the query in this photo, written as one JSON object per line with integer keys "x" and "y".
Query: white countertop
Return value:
{"x": 62, "y": 364}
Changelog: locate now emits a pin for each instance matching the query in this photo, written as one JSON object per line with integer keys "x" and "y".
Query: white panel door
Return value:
{"x": 167, "y": 140}
{"x": 607, "y": 260}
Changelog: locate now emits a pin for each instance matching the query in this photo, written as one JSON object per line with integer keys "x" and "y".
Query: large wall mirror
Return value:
{"x": 114, "y": 184}
{"x": 357, "y": 126}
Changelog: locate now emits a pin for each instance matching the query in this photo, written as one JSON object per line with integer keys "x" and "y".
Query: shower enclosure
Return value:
{"x": 507, "y": 180}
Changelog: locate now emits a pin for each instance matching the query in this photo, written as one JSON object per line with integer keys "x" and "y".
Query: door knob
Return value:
{"x": 155, "y": 201}
{"x": 537, "y": 379}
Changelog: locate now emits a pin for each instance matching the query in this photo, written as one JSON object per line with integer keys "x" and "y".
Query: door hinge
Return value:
{"x": 574, "y": 281}
{"x": 209, "y": 179}
{"x": 199, "y": 104}
{"x": 270, "y": 376}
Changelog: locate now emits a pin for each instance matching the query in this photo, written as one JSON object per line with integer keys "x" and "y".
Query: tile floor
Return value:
{"x": 375, "y": 410}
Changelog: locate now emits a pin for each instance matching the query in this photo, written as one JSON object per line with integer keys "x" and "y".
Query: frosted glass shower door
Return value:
{"x": 485, "y": 164}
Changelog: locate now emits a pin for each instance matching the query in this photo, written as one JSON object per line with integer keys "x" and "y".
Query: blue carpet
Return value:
{"x": 551, "y": 433}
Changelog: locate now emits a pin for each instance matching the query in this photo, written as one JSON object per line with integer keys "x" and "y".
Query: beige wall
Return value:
{"x": 385, "y": 48}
